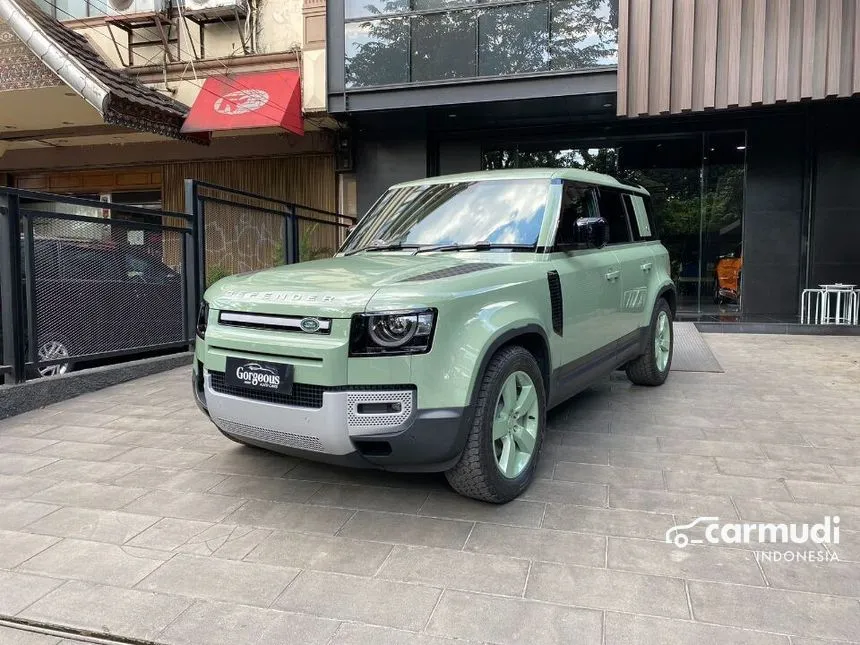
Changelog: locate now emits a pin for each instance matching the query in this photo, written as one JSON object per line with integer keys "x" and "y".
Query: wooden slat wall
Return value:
{"x": 692, "y": 55}
{"x": 243, "y": 239}
{"x": 304, "y": 179}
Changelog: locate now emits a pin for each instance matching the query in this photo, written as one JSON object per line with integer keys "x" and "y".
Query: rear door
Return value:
{"x": 157, "y": 300}
{"x": 636, "y": 256}
{"x": 91, "y": 298}
{"x": 635, "y": 261}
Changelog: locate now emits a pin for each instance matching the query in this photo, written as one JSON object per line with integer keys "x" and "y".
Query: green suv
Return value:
{"x": 458, "y": 311}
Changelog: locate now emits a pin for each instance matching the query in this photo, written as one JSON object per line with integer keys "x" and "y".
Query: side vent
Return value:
{"x": 556, "y": 302}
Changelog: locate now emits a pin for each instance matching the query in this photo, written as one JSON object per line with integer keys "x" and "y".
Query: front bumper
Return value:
{"x": 379, "y": 427}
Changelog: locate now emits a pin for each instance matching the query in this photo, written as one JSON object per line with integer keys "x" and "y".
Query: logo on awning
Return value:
{"x": 241, "y": 102}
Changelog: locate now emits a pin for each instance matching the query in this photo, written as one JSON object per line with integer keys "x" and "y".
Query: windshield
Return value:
{"x": 458, "y": 213}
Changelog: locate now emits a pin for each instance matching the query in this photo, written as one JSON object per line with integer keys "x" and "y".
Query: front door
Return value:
{"x": 591, "y": 288}
{"x": 590, "y": 282}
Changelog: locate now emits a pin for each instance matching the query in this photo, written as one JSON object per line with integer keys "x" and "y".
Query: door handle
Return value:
{"x": 647, "y": 266}
{"x": 613, "y": 275}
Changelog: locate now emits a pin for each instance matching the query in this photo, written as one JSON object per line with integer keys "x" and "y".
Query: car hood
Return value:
{"x": 337, "y": 287}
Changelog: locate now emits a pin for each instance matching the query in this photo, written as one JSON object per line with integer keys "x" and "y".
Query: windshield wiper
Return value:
{"x": 477, "y": 246}
{"x": 396, "y": 246}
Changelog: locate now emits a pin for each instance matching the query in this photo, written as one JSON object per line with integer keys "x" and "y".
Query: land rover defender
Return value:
{"x": 457, "y": 312}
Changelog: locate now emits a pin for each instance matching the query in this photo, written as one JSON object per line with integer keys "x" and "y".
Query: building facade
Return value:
{"x": 739, "y": 116}
{"x": 197, "y": 67}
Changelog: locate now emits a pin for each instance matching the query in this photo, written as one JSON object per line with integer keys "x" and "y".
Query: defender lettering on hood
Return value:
{"x": 277, "y": 296}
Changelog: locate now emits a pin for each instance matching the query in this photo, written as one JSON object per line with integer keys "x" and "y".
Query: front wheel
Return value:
{"x": 652, "y": 367}
{"x": 504, "y": 442}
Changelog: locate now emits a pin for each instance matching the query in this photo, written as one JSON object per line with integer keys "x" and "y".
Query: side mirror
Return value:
{"x": 592, "y": 232}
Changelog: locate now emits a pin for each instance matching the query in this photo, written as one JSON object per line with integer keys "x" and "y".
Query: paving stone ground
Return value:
{"x": 126, "y": 512}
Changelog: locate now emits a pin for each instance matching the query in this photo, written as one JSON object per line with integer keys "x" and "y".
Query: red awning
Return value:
{"x": 254, "y": 100}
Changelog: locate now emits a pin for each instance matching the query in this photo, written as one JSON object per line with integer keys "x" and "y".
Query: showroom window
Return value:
{"x": 411, "y": 41}
{"x": 696, "y": 183}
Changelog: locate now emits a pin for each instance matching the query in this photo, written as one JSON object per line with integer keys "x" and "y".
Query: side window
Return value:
{"x": 577, "y": 201}
{"x": 640, "y": 218}
{"x": 82, "y": 263}
{"x": 139, "y": 268}
{"x": 612, "y": 210}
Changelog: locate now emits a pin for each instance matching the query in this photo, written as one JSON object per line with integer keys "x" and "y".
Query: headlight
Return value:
{"x": 202, "y": 319}
{"x": 392, "y": 332}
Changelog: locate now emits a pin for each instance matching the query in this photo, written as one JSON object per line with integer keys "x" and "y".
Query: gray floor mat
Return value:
{"x": 692, "y": 353}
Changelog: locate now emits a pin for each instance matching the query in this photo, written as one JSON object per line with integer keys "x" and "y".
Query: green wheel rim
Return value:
{"x": 662, "y": 341}
{"x": 515, "y": 424}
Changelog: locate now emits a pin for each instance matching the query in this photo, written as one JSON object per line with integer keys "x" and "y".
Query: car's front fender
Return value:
{"x": 464, "y": 345}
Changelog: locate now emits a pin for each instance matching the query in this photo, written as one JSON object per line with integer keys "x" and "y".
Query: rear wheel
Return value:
{"x": 502, "y": 449}
{"x": 652, "y": 367}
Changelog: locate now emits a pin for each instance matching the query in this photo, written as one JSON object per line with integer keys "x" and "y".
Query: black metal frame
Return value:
{"x": 18, "y": 319}
{"x": 195, "y": 208}
{"x": 17, "y": 268}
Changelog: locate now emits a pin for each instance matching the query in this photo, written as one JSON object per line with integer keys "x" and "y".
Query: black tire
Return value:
{"x": 645, "y": 370}
{"x": 718, "y": 299}
{"x": 477, "y": 475}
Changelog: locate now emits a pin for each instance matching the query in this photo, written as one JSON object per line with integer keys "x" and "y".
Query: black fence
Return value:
{"x": 85, "y": 281}
{"x": 241, "y": 231}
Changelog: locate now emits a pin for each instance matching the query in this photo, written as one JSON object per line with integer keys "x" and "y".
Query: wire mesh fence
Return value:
{"x": 320, "y": 234}
{"x": 243, "y": 231}
{"x": 84, "y": 280}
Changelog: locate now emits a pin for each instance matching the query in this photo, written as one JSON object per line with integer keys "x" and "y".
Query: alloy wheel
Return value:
{"x": 515, "y": 425}
{"x": 662, "y": 341}
{"x": 53, "y": 350}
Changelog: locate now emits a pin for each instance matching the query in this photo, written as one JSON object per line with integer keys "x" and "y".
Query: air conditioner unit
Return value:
{"x": 215, "y": 8}
{"x": 129, "y": 7}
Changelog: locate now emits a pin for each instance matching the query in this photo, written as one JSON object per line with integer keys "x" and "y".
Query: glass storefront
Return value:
{"x": 697, "y": 187}
{"x": 404, "y": 41}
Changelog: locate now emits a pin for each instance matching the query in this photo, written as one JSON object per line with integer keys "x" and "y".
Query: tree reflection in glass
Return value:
{"x": 463, "y": 42}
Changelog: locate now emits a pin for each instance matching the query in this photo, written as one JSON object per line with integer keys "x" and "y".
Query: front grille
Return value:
{"x": 276, "y": 322}
{"x": 302, "y": 396}
{"x": 288, "y": 439}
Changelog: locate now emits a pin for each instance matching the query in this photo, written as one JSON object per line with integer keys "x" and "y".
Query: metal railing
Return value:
{"x": 239, "y": 231}
{"x": 83, "y": 280}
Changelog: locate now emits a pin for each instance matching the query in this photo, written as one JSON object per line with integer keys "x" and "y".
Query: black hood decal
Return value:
{"x": 452, "y": 271}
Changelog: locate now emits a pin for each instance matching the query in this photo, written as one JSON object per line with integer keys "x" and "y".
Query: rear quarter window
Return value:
{"x": 641, "y": 217}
